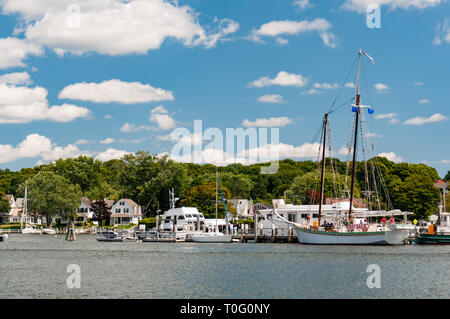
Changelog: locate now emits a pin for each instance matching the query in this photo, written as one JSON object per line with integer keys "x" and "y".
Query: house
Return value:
{"x": 84, "y": 211}
{"x": 125, "y": 212}
{"x": 12, "y": 216}
{"x": 242, "y": 207}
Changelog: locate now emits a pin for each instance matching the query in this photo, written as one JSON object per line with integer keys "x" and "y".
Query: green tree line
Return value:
{"x": 146, "y": 178}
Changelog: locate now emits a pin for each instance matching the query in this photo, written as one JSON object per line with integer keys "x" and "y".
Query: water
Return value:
{"x": 34, "y": 266}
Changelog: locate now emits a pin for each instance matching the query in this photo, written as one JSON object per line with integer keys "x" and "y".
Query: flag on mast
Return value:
{"x": 371, "y": 59}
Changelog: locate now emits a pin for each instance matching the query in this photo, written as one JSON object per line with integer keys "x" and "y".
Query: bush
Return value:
{"x": 148, "y": 222}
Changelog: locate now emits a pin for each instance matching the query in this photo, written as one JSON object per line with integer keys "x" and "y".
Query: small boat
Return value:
{"x": 49, "y": 231}
{"x": 3, "y": 237}
{"x": 108, "y": 235}
{"x": 213, "y": 237}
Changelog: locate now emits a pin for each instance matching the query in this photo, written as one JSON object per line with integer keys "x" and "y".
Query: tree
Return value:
{"x": 416, "y": 194}
{"x": 147, "y": 179}
{"x": 50, "y": 194}
{"x": 101, "y": 212}
{"x": 447, "y": 177}
{"x": 204, "y": 198}
{"x": 334, "y": 186}
{"x": 4, "y": 203}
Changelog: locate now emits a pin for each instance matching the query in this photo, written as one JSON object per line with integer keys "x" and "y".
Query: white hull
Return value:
{"x": 212, "y": 238}
{"x": 49, "y": 231}
{"x": 392, "y": 237}
{"x": 30, "y": 231}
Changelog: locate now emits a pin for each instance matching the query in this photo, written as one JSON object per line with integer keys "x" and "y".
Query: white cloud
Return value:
{"x": 82, "y": 141}
{"x": 270, "y": 122}
{"x": 108, "y": 140}
{"x": 350, "y": 85}
{"x": 108, "y": 116}
{"x": 437, "y": 117}
{"x": 370, "y": 134}
{"x": 17, "y": 78}
{"x": 361, "y": 5}
{"x": 288, "y": 27}
{"x": 282, "y": 78}
{"x": 392, "y": 157}
{"x": 111, "y": 153}
{"x": 193, "y": 139}
{"x": 23, "y": 105}
{"x": 15, "y": 50}
{"x": 115, "y": 91}
{"x": 394, "y": 121}
{"x": 326, "y": 86}
{"x": 312, "y": 91}
{"x": 423, "y": 101}
{"x": 271, "y": 98}
{"x": 418, "y": 83}
{"x": 36, "y": 145}
{"x": 385, "y": 116}
{"x": 115, "y": 27}
{"x": 160, "y": 116}
{"x": 281, "y": 41}
{"x": 442, "y": 33}
{"x": 380, "y": 87}
{"x": 302, "y": 4}
{"x": 127, "y": 128}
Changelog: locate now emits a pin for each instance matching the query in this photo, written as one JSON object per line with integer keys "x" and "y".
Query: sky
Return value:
{"x": 108, "y": 77}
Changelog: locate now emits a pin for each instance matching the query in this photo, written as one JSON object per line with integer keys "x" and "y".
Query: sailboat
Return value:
{"x": 216, "y": 236}
{"x": 342, "y": 227}
{"x": 27, "y": 229}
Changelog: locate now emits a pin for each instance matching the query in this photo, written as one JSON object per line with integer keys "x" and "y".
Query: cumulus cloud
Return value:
{"x": 270, "y": 122}
{"x": 361, "y": 5}
{"x": 385, "y": 116}
{"x": 160, "y": 116}
{"x": 437, "y": 117}
{"x": 282, "y": 78}
{"x": 325, "y": 86}
{"x": 380, "y": 87}
{"x": 302, "y": 4}
{"x": 288, "y": 27}
{"x": 17, "y": 78}
{"x": 111, "y": 153}
{"x": 35, "y": 145}
{"x": 115, "y": 91}
{"x": 15, "y": 51}
{"x": 423, "y": 101}
{"x": 115, "y": 27}
{"x": 23, "y": 105}
{"x": 392, "y": 157}
{"x": 108, "y": 140}
{"x": 271, "y": 98}
{"x": 127, "y": 128}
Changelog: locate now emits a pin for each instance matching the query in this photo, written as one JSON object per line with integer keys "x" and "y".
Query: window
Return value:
{"x": 117, "y": 210}
{"x": 126, "y": 210}
{"x": 292, "y": 218}
{"x": 304, "y": 216}
{"x": 122, "y": 203}
{"x": 181, "y": 217}
{"x": 315, "y": 215}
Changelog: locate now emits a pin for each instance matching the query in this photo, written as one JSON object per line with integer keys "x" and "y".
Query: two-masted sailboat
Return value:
{"x": 348, "y": 226}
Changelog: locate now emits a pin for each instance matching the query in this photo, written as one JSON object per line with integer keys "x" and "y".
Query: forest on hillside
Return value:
{"x": 146, "y": 179}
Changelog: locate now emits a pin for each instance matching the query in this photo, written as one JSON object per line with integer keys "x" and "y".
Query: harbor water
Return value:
{"x": 35, "y": 266}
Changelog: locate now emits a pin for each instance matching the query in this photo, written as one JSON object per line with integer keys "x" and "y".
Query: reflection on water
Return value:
{"x": 34, "y": 266}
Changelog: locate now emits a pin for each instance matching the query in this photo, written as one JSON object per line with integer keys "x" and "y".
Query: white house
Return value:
{"x": 12, "y": 215}
{"x": 125, "y": 212}
{"x": 84, "y": 211}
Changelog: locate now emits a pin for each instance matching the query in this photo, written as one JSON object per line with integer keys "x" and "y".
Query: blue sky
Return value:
{"x": 204, "y": 59}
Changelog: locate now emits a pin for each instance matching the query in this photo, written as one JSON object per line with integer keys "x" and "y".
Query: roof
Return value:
{"x": 130, "y": 202}
{"x": 109, "y": 202}
{"x": 19, "y": 202}
{"x": 85, "y": 201}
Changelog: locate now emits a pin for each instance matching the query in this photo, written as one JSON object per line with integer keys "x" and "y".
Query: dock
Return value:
{"x": 266, "y": 236}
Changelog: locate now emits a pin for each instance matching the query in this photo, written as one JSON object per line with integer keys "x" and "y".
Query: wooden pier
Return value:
{"x": 266, "y": 236}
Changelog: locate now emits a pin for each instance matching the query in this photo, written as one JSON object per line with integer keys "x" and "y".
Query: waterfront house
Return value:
{"x": 12, "y": 215}
{"x": 242, "y": 207}
{"x": 84, "y": 211}
{"x": 125, "y": 212}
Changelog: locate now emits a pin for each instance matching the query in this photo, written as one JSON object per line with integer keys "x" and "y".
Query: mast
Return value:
{"x": 217, "y": 176}
{"x": 24, "y": 208}
{"x": 322, "y": 177}
{"x": 355, "y": 141}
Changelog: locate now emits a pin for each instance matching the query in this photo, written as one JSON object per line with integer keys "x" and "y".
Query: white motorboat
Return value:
{"x": 3, "y": 237}
{"x": 213, "y": 237}
{"x": 49, "y": 231}
{"x": 108, "y": 235}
